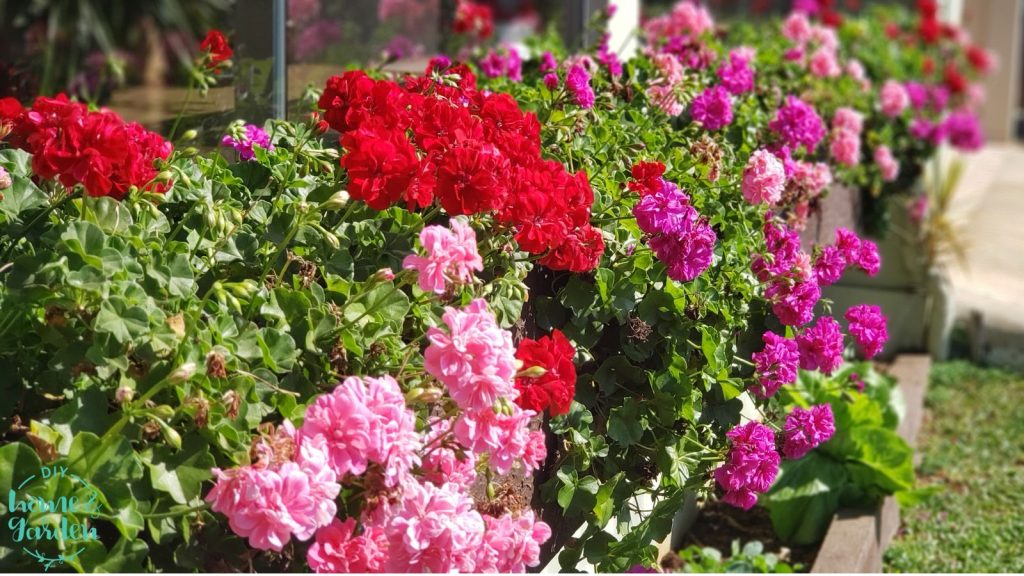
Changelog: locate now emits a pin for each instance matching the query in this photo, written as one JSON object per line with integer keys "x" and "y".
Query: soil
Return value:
{"x": 719, "y": 524}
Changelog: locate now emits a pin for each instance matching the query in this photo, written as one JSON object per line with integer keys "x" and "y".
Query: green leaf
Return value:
{"x": 181, "y": 473}
{"x": 626, "y": 424}
{"x": 884, "y": 460}
{"x": 123, "y": 323}
{"x": 17, "y": 462}
{"x": 125, "y": 556}
{"x": 110, "y": 465}
{"x": 804, "y": 497}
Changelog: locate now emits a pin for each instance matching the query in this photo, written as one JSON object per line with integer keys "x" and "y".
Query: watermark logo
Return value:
{"x": 36, "y": 521}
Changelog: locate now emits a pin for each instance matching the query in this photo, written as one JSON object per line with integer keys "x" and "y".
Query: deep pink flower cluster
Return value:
{"x": 451, "y": 257}
{"x": 504, "y": 62}
{"x": 796, "y": 123}
{"x": 679, "y": 236}
{"x": 712, "y": 108}
{"x": 868, "y": 328}
{"x": 751, "y": 466}
{"x": 251, "y": 135}
{"x": 964, "y": 131}
{"x": 821, "y": 346}
{"x": 736, "y": 75}
{"x": 776, "y": 365}
{"x": 805, "y": 430}
{"x": 786, "y": 269}
{"x": 577, "y": 82}
{"x": 857, "y": 252}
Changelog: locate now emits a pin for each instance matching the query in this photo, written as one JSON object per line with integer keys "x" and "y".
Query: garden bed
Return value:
{"x": 856, "y": 539}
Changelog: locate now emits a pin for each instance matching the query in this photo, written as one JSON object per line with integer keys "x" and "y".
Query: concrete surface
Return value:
{"x": 990, "y": 202}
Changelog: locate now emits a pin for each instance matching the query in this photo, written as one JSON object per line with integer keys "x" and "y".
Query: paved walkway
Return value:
{"x": 990, "y": 201}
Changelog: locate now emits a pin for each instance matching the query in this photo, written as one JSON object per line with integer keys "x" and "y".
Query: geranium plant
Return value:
{"x": 463, "y": 331}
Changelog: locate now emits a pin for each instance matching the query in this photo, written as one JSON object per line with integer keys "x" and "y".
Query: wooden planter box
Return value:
{"x": 856, "y": 539}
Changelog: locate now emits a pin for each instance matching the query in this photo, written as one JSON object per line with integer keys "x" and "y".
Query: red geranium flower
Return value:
{"x": 380, "y": 163}
{"x": 554, "y": 390}
{"x": 474, "y": 19}
{"x": 646, "y": 177}
{"x": 955, "y": 81}
{"x": 216, "y": 45}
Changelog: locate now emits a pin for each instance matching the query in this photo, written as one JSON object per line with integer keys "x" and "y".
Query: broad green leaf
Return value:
{"x": 181, "y": 473}
{"x": 804, "y": 497}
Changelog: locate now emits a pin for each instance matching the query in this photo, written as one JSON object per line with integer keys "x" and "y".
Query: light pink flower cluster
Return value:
{"x": 805, "y": 430}
{"x": 414, "y": 518}
{"x": 288, "y": 491}
{"x": 820, "y": 41}
{"x": 893, "y": 98}
{"x": 686, "y": 19}
{"x": 751, "y": 466}
{"x": 764, "y": 178}
{"x": 363, "y": 421}
{"x": 475, "y": 359}
{"x": 451, "y": 257}
{"x": 821, "y": 346}
{"x": 663, "y": 91}
{"x": 888, "y": 165}
{"x": 846, "y": 129}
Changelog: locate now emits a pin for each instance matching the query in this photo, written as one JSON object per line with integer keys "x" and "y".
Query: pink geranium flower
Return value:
{"x": 451, "y": 257}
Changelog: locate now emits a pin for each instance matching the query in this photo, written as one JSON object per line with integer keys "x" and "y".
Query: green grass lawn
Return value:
{"x": 972, "y": 447}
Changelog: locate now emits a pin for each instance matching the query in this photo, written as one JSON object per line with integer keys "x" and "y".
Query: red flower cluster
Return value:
{"x": 929, "y": 28}
{"x": 75, "y": 146}
{"x": 216, "y": 45}
{"x": 555, "y": 389}
{"x": 472, "y": 151}
{"x": 474, "y": 19}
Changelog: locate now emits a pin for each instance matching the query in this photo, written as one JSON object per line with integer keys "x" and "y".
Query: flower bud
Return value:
{"x": 532, "y": 372}
{"x": 170, "y": 434}
{"x": 190, "y": 151}
{"x": 182, "y": 373}
{"x": 385, "y": 275}
{"x": 190, "y": 135}
{"x": 331, "y": 239}
{"x": 337, "y": 201}
{"x": 5, "y": 179}
{"x": 123, "y": 395}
